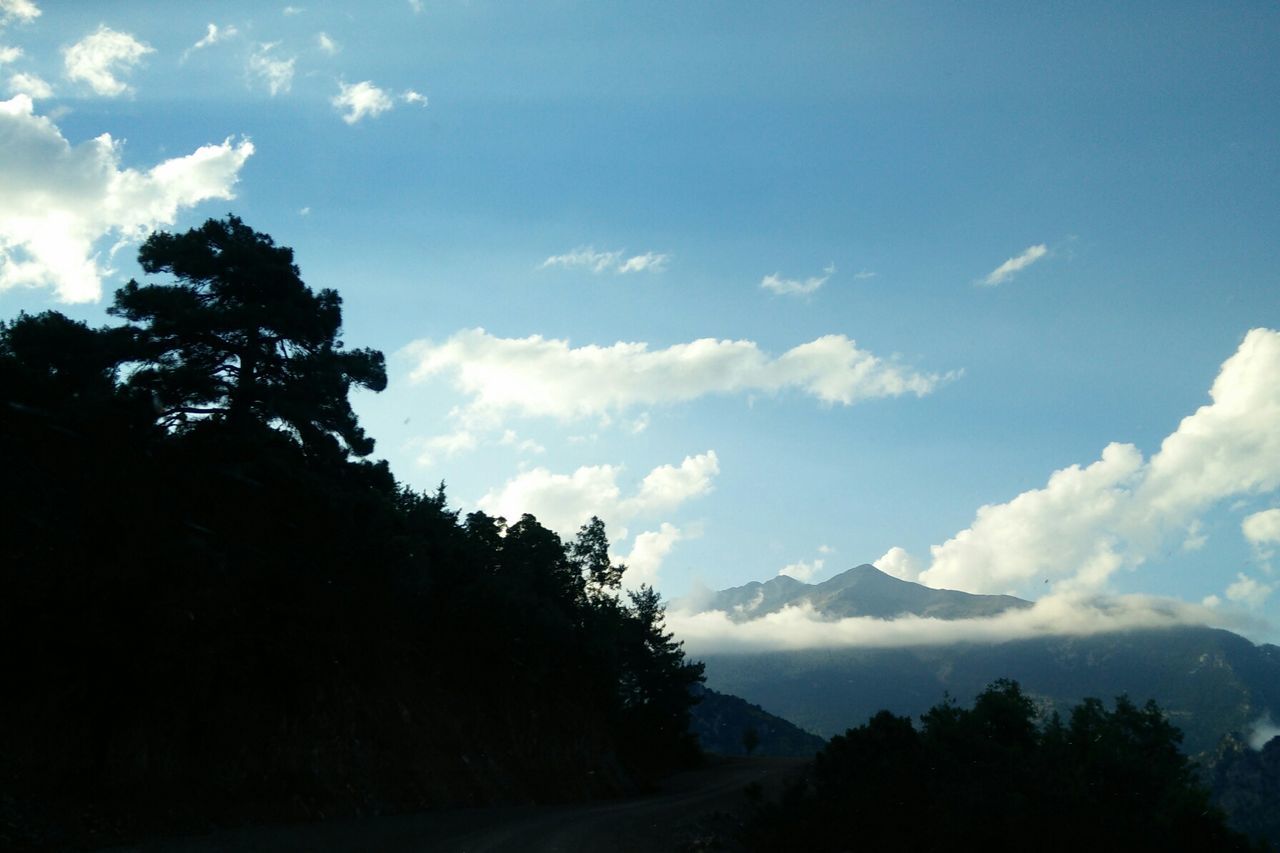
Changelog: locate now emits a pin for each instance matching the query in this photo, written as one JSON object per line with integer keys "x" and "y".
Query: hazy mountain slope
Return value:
{"x": 721, "y": 721}
{"x": 1210, "y": 682}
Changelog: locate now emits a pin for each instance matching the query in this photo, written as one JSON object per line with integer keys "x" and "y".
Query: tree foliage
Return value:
{"x": 993, "y": 777}
{"x": 208, "y": 619}
{"x": 239, "y": 336}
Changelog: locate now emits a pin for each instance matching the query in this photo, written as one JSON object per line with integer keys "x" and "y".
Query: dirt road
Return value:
{"x": 690, "y": 811}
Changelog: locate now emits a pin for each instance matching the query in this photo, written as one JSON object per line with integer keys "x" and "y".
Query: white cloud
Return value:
{"x": 60, "y": 200}
{"x": 1262, "y": 731}
{"x": 97, "y": 59}
{"x": 1249, "y": 591}
{"x": 416, "y": 6}
{"x": 523, "y": 445}
{"x": 648, "y": 262}
{"x": 564, "y": 502}
{"x": 447, "y": 445}
{"x": 213, "y": 35}
{"x": 290, "y": 11}
{"x": 801, "y": 570}
{"x": 31, "y": 85}
{"x": 1118, "y": 512}
{"x": 9, "y": 54}
{"x": 411, "y": 97}
{"x": 648, "y": 552}
{"x": 1015, "y": 265}
{"x": 327, "y": 44}
{"x": 599, "y": 262}
{"x": 795, "y": 287}
{"x": 863, "y": 275}
{"x": 23, "y": 11}
{"x": 801, "y": 627}
{"x": 898, "y": 563}
{"x": 361, "y": 100}
{"x": 1262, "y": 528}
{"x": 276, "y": 74}
{"x": 539, "y": 377}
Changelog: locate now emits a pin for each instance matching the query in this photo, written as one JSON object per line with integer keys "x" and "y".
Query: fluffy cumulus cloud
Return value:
{"x": 1015, "y": 265}
{"x": 564, "y": 502}
{"x": 899, "y": 563}
{"x": 1249, "y": 591}
{"x": 540, "y": 377}
{"x": 31, "y": 85}
{"x": 1262, "y": 529}
{"x": 1089, "y": 521}
{"x": 648, "y": 552}
{"x": 61, "y": 200}
{"x": 775, "y": 283}
{"x": 101, "y": 58}
{"x": 801, "y": 627}
{"x": 271, "y": 71}
{"x": 22, "y": 11}
{"x": 801, "y": 570}
{"x": 361, "y": 100}
{"x": 592, "y": 260}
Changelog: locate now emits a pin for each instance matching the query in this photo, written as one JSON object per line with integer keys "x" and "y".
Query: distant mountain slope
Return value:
{"x": 722, "y": 722}
{"x": 860, "y": 591}
{"x": 1210, "y": 682}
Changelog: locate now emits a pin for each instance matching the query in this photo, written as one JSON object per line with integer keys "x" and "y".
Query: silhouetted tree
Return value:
{"x": 990, "y": 778}
{"x": 240, "y": 337}
{"x": 589, "y": 552}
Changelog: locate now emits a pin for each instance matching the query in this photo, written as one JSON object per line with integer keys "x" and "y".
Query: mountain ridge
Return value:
{"x": 862, "y": 590}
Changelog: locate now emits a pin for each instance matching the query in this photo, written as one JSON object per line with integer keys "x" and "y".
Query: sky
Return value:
{"x": 984, "y": 294}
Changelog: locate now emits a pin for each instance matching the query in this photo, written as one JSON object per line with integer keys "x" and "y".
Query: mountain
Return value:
{"x": 860, "y": 591}
{"x": 727, "y": 725}
{"x": 1209, "y": 682}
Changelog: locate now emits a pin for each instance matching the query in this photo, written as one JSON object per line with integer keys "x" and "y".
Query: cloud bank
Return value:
{"x": 801, "y": 627}
{"x": 540, "y": 377}
{"x": 60, "y": 200}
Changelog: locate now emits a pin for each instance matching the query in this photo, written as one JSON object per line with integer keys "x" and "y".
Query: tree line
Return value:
{"x": 1000, "y": 776}
{"x": 214, "y": 607}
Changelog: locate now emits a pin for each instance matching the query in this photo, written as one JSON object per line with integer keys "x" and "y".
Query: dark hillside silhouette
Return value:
{"x": 212, "y": 611}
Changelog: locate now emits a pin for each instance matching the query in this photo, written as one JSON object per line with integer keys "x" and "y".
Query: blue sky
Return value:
{"x": 768, "y": 286}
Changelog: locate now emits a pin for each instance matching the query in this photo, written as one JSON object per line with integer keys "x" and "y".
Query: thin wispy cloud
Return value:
{"x": 1015, "y": 265}
{"x": 542, "y": 377}
{"x": 358, "y": 101}
{"x": 102, "y": 58}
{"x": 592, "y": 260}
{"x": 213, "y": 34}
{"x": 60, "y": 201}
{"x": 416, "y": 6}
{"x": 327, "y": 44}
{"x": 409, "y": 96}
{"x": 863, "y": 275}
{"x": 775, "y": 283}
{"x": 275, "y": 73}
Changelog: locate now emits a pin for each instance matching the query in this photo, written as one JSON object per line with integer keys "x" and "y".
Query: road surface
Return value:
{"x": 689, "y": 812}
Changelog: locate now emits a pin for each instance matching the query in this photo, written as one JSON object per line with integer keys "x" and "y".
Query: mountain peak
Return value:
{"x": 862, "y": 590}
